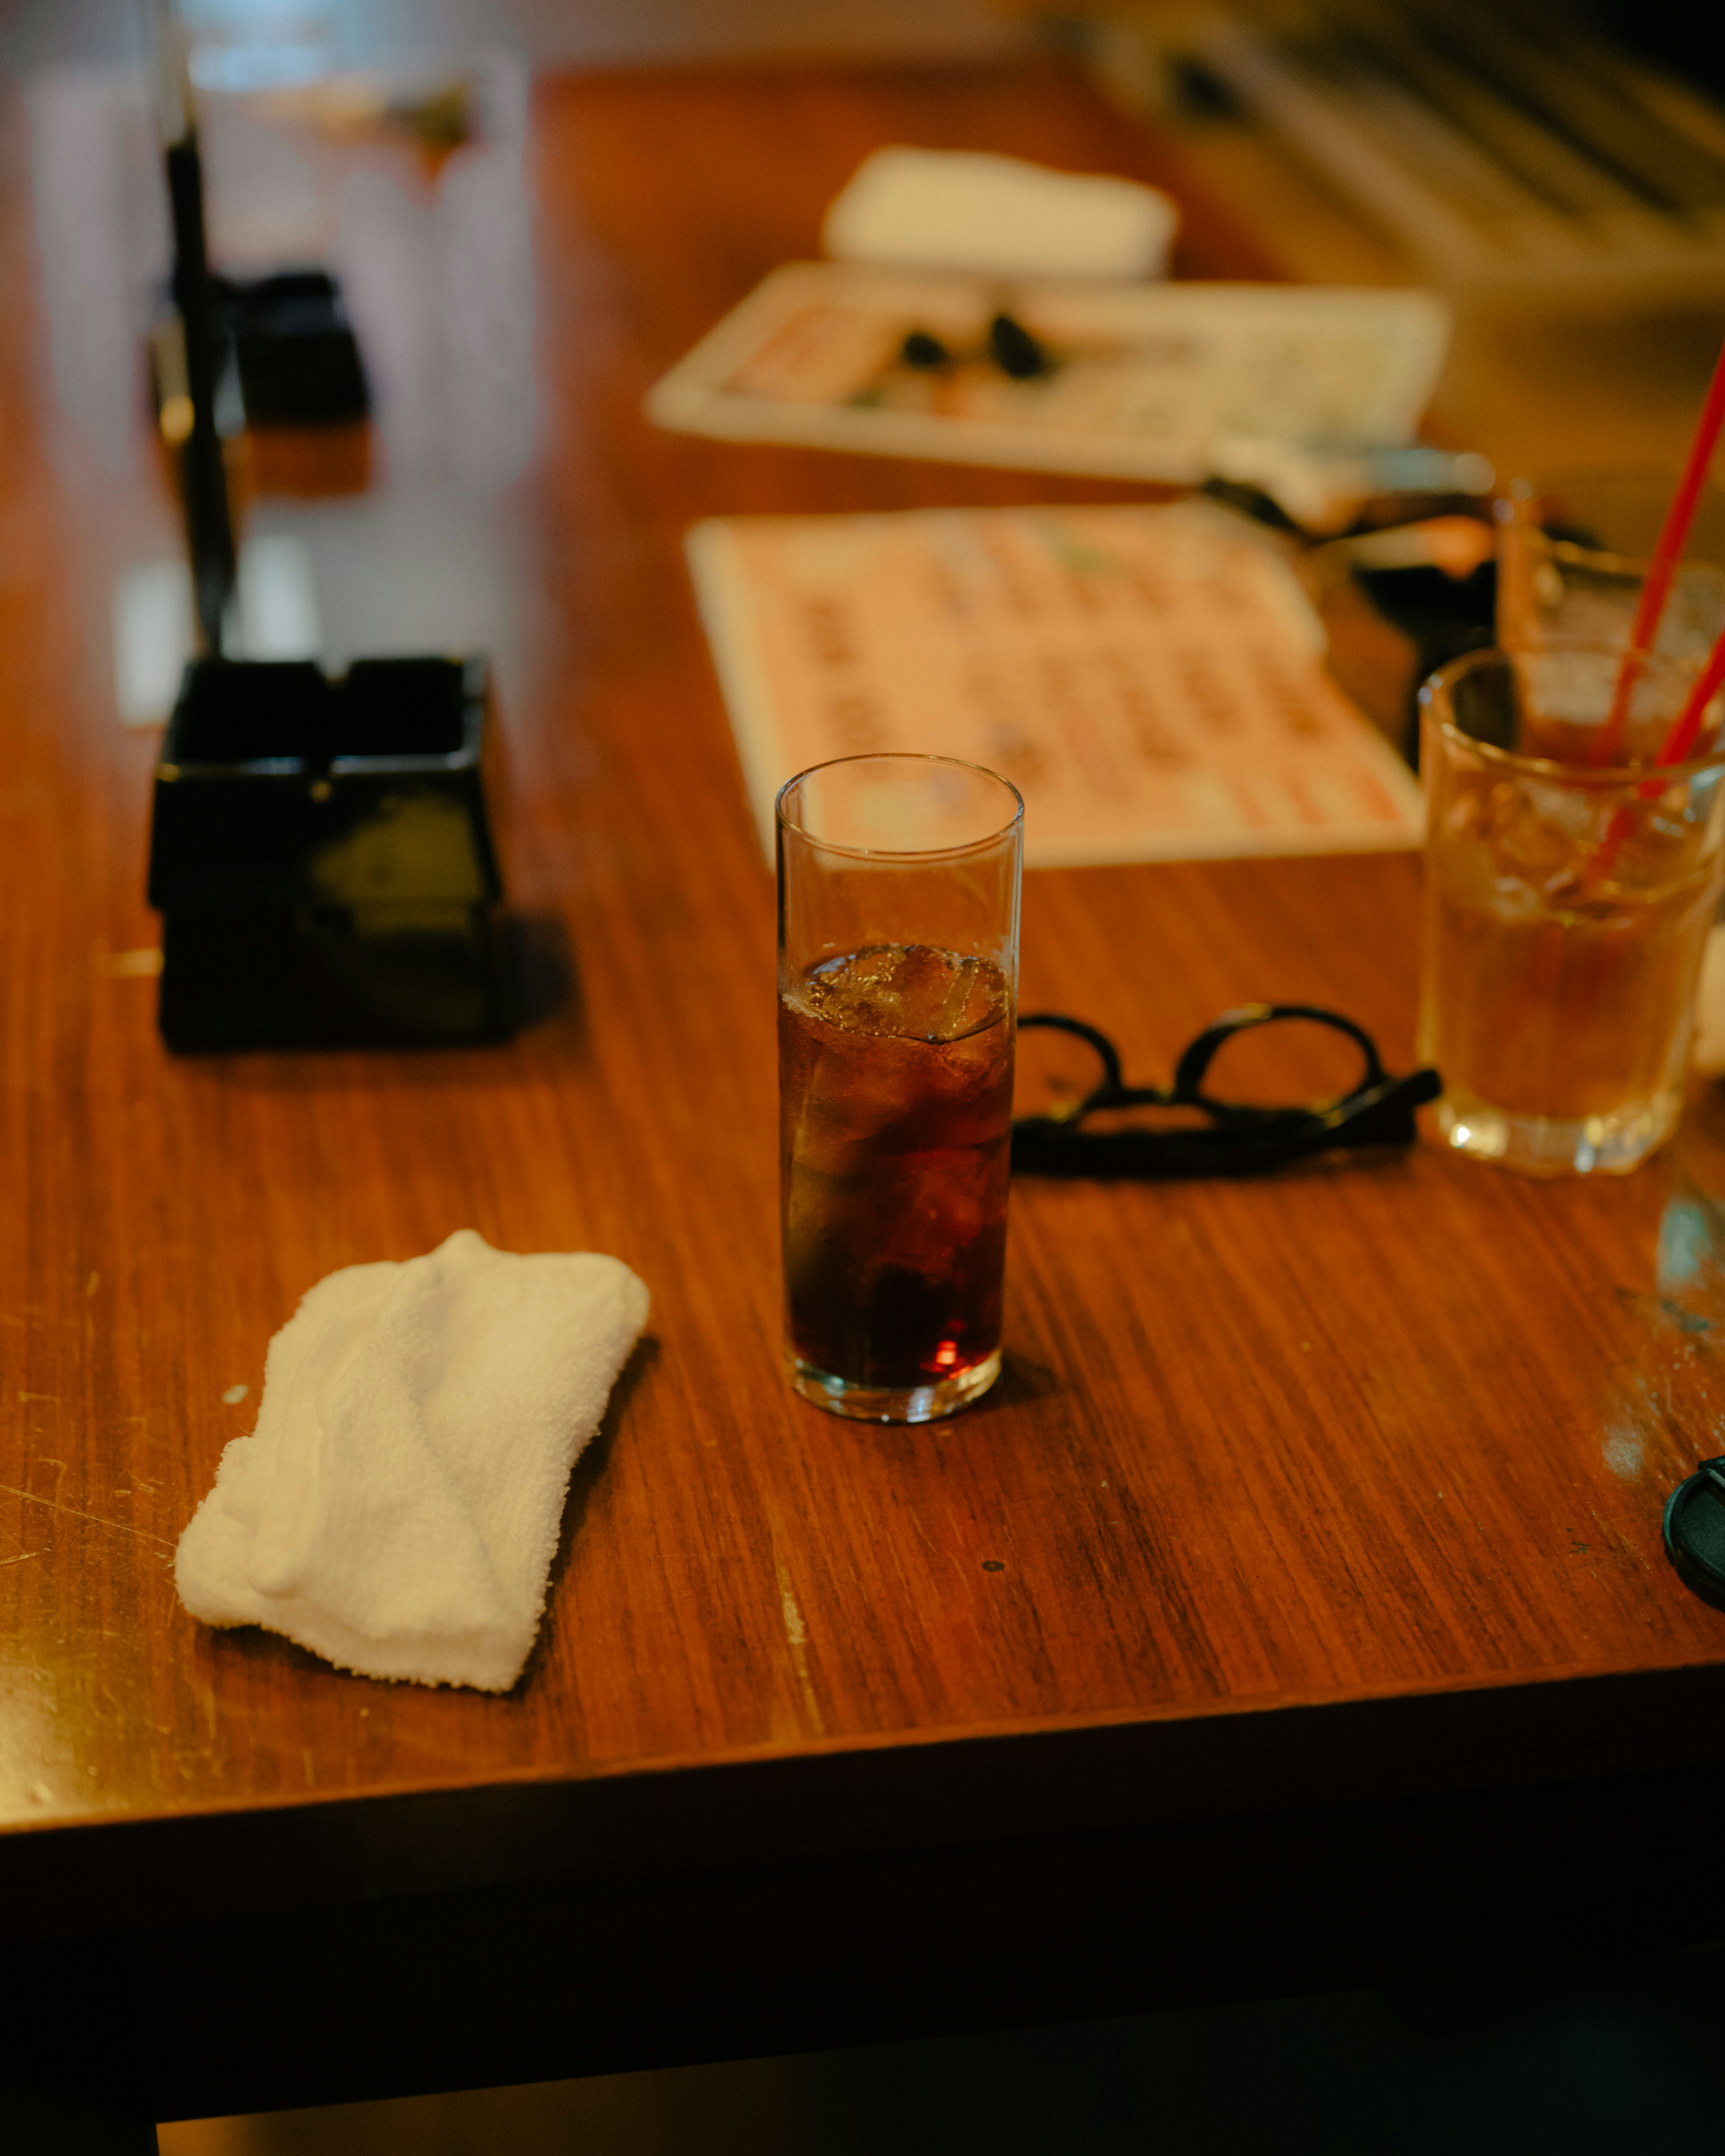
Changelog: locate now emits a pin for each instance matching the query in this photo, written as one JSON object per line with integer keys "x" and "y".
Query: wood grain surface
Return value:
{"x": 1298, "y": 1491}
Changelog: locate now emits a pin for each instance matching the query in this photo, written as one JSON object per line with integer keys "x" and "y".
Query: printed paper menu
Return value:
{"x": 1150, "y": 679}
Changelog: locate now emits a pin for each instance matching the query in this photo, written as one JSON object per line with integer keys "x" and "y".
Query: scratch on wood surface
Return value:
{"x": 55, "y": 1397}
{"x": 796, "y": 1634}
{"x": 52, "y": 1505}
{"x": 22, "y": 1558}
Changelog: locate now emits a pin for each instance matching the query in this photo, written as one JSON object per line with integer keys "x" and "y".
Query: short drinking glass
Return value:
{"x": 898, "y": 937}
{"x": 1566, "y": 907}
{"x": 1575, "y": 550}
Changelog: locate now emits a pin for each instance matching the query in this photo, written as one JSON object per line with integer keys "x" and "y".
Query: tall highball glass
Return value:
{"x": 898, "y": 949}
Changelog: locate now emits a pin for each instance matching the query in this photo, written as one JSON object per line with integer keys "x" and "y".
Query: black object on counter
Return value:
{"x": 1441, "y": 615}
{"x": 1695, "y": 1531}
{"x": 298, "y": 360}
{"x": 204, "y": 474}
{"x": 321, "y": 856}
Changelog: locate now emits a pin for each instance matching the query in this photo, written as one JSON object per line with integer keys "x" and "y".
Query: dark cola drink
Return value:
{"x": 895, "y": 1121}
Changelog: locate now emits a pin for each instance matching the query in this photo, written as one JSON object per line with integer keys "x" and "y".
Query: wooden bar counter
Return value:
{"x": 1293, "y": 1612}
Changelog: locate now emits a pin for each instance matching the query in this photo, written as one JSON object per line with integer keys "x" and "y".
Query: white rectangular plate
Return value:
{"x": 1146, "y": 375}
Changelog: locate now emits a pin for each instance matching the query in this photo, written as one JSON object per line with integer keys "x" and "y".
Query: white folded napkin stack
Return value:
{"x": 973, "y": 211}
{"x": 397, "y": 1507}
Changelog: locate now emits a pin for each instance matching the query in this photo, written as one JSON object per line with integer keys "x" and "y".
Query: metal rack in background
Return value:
{"x": 1508, "y": 148}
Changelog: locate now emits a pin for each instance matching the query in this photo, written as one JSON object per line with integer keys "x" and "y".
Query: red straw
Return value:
{"x": 1678, "y": 742}
{"x": 1673, "y": 749}
{"x": 1644, "y": 631}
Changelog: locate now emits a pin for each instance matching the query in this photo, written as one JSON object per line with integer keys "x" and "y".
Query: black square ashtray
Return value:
{"x": 298, "y": 364}
{"x": 320, "y": 855}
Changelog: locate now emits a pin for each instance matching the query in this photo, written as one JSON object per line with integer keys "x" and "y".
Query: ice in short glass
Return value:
{"x": 898, "y": 935}
{"x": 1566, "y": 907}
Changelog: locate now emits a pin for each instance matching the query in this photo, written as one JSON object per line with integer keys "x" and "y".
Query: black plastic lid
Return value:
{"x": 1695, "y": 1531}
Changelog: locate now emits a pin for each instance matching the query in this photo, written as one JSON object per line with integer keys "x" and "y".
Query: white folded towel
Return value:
{"x": 999, "y": 217}
{"x": 397, "y": 1508}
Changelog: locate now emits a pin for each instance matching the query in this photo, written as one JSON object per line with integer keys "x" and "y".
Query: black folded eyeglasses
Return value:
{"x": 1242, "y": 1139}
